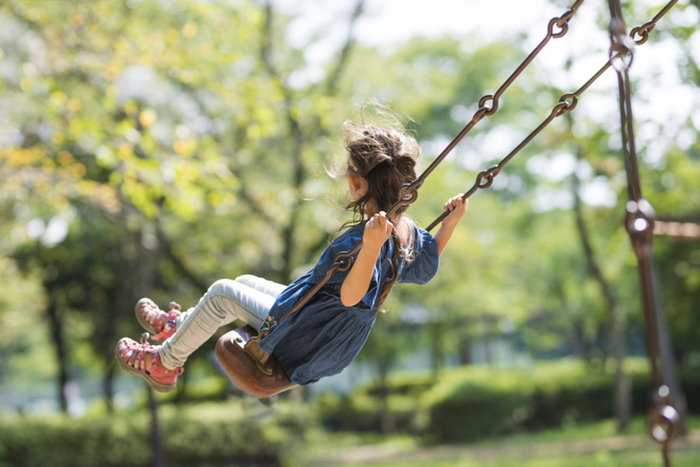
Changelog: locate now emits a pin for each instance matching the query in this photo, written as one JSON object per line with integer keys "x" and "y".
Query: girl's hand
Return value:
{"x": 355, "y": 286}
{"x": 377, "y": 231}
{"x": 456, "y": 207}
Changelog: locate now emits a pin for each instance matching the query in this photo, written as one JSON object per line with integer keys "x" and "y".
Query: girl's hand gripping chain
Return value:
{"x": 456, "y": 207}
{"x": 377, "y": 231}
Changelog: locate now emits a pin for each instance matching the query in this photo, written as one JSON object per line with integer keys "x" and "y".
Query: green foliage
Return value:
{"x": 113, "y": 441}
{"x": 470, "y": 403}
{"x": 193, "y": 435}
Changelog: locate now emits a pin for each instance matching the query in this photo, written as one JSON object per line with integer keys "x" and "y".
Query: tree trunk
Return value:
{"x": 438, "y": 348}
{"x": 487, "y": 350}
{"x": 388, "y": 423}
{"x": 156, "y": 438}
{"x": 56, "y": 325}
{"x": 465, "y": 350}
{"x": 108, "y": 387}
{"x": 623, "y": 388}
{"x": 578, "y": 337}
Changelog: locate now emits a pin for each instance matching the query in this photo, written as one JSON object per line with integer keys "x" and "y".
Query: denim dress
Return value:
{"x": 325, "y": 336}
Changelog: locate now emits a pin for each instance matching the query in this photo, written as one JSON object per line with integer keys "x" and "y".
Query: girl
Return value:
{"x": 328, "y": 333}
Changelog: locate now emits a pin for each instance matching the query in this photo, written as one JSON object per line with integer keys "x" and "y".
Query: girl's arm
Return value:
{"x": 356, "y": 284}
{"x": 456, "y": 206}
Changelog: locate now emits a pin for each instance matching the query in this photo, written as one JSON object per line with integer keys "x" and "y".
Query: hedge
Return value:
{"x": 205, "y": 434}
{"x": 467, "y": 403}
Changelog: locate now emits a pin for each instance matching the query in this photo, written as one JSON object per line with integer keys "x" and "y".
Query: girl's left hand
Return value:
{"x": 456, "y": 207}
{"x": 377, "y": 231}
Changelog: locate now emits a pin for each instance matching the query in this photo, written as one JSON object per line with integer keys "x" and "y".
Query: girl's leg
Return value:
{"x": 263, "y": 285}
{"x": 226, "y": 301}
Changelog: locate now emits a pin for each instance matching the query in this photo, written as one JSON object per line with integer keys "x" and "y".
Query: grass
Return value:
{"x": 602, "y": 458}
{"x": 589, "y": 445}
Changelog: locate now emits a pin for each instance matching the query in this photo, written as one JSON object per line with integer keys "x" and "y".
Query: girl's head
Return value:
{"x": 381, "y": 159}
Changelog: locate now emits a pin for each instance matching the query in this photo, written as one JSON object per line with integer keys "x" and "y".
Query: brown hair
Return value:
{"x": 387, "y": 157}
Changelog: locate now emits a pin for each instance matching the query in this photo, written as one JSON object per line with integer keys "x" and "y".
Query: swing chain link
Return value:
{"x": 644, "y": 30}
{"x": 621, "y": 46}
{"x": 485, "y": 178}
{"x": 562, "y": 24}
{"x": 485, "y": 110}
{"x": 564, "y": 106}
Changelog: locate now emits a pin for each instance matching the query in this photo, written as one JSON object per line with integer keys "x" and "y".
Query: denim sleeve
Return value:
{"x": 342, "y": 244}
{"x": 426, "y": 260}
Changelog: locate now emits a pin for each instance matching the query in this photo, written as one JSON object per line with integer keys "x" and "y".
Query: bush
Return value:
{"x": 372, "y": 408}
{"x": 61, "y": 441}
{"x": 481, "y": 403}
{"x": 218, "y": 434}
{"x": 469, "y": 403}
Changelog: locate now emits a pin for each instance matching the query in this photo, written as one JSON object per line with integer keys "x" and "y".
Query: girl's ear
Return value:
{"x": 358, "y": 185}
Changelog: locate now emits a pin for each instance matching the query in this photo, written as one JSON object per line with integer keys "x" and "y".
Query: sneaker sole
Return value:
{"x": 160, "y": 387}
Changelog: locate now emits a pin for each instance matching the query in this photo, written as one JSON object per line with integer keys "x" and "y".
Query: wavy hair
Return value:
{"x": 387, "y": 157}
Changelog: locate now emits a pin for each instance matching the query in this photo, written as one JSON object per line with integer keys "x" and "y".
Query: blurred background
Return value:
{"x": 151, "y": 147}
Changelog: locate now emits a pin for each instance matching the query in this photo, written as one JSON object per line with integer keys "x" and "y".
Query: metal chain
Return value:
{"x": 486, "y": 110}
{"x": 619, "y": 52}
{"x": 567, "y": 103}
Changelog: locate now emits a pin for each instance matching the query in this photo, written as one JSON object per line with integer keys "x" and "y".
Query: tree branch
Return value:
{"x": 588, "y": 249}
{"x": 168, "y": 249}
{"x": 332, "y": 83}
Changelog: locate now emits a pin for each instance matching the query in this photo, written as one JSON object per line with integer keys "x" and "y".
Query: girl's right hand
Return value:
{"x": 377, "y": 231}
{"x": 456, "y": 207}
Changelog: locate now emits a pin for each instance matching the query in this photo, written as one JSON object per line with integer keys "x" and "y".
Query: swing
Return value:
{"x": 263, "y": 380}
{"x": 260, "y": 374}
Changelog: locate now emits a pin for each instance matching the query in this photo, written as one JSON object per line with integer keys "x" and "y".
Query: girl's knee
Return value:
{"x": 219, "y": 287}
{"x": 218, "y": 299}
{"x": 246, "y": 279}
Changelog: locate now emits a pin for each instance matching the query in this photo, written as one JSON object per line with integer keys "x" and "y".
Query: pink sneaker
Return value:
{"x": 156, "y": 321}
{"x": 135, "y": 358}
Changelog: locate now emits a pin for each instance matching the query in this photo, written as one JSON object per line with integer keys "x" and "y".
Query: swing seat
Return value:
{"x": 244, "y": 370}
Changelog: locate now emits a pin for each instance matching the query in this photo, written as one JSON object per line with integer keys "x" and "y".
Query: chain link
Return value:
{"x": 644, "y": 30}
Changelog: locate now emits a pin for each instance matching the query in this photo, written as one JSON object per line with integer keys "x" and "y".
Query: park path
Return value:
{"x": 378, "y": 454}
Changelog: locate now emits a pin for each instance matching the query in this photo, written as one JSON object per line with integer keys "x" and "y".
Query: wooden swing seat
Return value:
{"x": 244, "y": 370}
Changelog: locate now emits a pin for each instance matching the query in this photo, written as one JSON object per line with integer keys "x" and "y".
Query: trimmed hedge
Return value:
{"x": 469, "y": 403}
{"x": 363, "y": 409}
{"x": 206, "y": 434}
{"x": 481, "y": 403}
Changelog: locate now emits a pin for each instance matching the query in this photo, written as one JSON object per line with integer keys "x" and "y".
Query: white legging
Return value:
{"x": 247, "y": 298}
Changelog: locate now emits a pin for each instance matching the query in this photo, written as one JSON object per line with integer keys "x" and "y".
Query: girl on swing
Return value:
{"x": 328, "y": 333}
